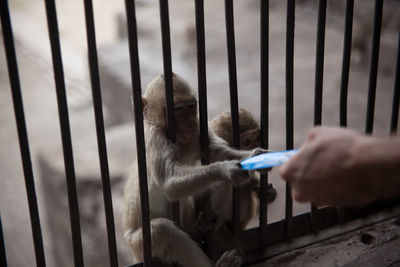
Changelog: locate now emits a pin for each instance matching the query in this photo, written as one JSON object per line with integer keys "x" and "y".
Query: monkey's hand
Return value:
{"x": 232, "y": 172}
{"x": 258, "y": 151}
{"x": 230, "y": 258}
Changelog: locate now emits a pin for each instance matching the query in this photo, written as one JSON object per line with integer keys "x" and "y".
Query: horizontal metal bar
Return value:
{"x": 139, "y": 129}
{"x": 22, "y": 132}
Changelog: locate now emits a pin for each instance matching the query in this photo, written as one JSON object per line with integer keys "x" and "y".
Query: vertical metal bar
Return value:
{"x": 264, "y": 111}
{"x": 22, "y": 132}
{"x": 101, "y": 140}
{"x": 319, "y": 62}
{"x": 202, "y": 91}
{"x": 319, "y": 74}
{"x": 348, "y": 31}
{"x": 139, "y": 129}
{"x": 3, "y": 256}
{"x": 65, "y": 131}
{"x": 373, "y": 72}
{"x": 169, "y": 93}
{"x": 230, "y": 38}
{"x": 290, "y": 17}
{"x": 396, "y": 96}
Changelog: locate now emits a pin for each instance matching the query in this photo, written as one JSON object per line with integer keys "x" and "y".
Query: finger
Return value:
{"x": 286, "y": 171}
{"x": 314, "y": 132}
{"x": 300, "y": 196}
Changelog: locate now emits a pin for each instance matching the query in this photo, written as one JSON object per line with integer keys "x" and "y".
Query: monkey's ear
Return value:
{"x": 144, "y": 105}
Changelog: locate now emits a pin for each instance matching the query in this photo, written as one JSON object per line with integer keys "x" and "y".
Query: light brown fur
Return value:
{"x": 173, "y": 175}
{"x": 222, "y": 126}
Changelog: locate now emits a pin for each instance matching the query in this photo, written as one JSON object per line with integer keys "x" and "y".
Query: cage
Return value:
{"x": 272, "y": 235}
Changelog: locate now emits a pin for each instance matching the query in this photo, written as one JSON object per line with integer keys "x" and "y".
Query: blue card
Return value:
{"x": 267, "y": 160}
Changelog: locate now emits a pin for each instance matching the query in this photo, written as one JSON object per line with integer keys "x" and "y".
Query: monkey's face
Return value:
{"x": 250, "y": 139}
{"x": 185, "y": 120}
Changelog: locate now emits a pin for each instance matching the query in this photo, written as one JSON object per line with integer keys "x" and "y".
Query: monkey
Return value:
{"x": 249, "y": 129}
{"x": 173, "y": 174}
{"x": 249, "y": 139}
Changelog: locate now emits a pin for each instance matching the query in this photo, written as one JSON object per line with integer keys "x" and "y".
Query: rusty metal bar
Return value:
{"x": 22, "y": 134}
{"x": 348, "y": 32}
{"x": 169, "y": 92}
{"x": 139, "y": 129}
{"x": 264, "y": 111}
{"x": 373, "y": 72}
{"x": 230, "y": 38}
{"x": 101, "y": 140}
{"x": 396, "y": 96}
{"x": 290, "y": 17}
{"x": 65, "y": 131}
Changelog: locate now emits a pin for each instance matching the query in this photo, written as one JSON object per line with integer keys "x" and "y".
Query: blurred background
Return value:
{"x": 38, "y": 89}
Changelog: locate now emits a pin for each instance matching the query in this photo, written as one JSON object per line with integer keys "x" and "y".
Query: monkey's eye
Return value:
{"x": 181, "y": 107}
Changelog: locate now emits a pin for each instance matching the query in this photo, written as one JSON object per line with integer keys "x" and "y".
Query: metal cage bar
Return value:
{"x": 3, "y": 255}
{"x": 202, "y": 93}
{"x": 264, "y": 109}
{"x": 396, "y": 96}
{"x": 65, "y": 131}
{"x": 230, "y": 38}
{"x": 344, "y": 84}
{"x": 373, "y": 73}
{"x": 290, "y": 17}
{"x": 101, "y": 140}
{"x": 202, "y": 80}
{"x": 169, "y": 92}
{"x": 139, "y": 129}
{"x": 22, "y": 134}
{"x": 348, "y": 32}
{"x": 319, "y": 62}
{"x": 319, "y": 80}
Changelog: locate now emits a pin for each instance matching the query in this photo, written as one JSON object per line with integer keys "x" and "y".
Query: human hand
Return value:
{"x": 329, "y": 170}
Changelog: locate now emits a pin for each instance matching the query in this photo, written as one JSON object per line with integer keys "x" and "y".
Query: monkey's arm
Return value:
{"x": 180, "y": 181}
{"x": 178, "y": 177}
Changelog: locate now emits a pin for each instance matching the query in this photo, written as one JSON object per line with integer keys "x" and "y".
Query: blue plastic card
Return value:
{"x": 267, "y": 160}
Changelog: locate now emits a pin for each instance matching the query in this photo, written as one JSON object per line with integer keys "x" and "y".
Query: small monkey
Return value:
{"x": 249, "y": 139}
{"x": 249, "y": 129}
{"x": 173, "y": 174}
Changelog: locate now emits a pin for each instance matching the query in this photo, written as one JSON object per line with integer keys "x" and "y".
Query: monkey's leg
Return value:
{"x": 169, "y": 244}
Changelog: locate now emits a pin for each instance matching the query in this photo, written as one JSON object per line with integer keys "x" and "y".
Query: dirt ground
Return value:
{"x": 37, "y": 83}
